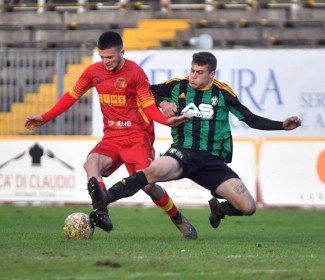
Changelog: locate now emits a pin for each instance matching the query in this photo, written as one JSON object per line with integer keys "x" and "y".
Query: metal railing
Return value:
{"x": 81, "y": 6}
{"x": 32, "y": 80}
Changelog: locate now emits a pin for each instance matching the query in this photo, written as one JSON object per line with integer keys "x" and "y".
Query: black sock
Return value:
{"x": 226, "y": 208}
{"x": 126, "y": 187}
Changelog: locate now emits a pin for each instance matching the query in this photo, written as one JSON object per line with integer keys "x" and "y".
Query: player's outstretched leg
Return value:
{"x": 215, "y": 216}
{"x": 184, "y": 226}
{"x": 101, "y": 219}
{"x": 98, "y": 195}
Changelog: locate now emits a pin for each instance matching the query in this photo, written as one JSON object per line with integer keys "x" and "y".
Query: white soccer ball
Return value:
{"x": 78, "y": 226}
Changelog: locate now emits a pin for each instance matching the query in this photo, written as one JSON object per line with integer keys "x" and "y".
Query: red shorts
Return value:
{"x": 136, "y": 152}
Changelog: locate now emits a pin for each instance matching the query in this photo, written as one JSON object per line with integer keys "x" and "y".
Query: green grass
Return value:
{"x": 272, "y": 244}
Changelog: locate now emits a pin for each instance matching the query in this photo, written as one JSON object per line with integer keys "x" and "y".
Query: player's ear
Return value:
{"x": 212, "y": 74}
{"x": 122, "y": 52}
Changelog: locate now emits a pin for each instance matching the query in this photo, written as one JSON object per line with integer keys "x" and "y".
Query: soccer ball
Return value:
{"x": 78, "y": 226}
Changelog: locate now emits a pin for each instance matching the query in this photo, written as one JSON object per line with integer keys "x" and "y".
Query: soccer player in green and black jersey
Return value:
{"x": 202, "y": 146}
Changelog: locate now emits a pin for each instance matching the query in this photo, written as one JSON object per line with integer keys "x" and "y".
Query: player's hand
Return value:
{"x": 168, "y": 108}
{"x": 33, "y": 121}
{"x": 176, "y": 121}
{"x": 291, "y": 123}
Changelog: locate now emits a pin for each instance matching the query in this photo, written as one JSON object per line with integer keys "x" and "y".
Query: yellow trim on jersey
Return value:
{"x": 148, "y": 103}
{"x": 172, "y": 80}
{"x": 73, "y": 94}
{"x": 224, "y": 86}
{"x": 207, "y": 87}
{"x": 76, "y": 94}
{"x": 142, "y": 106}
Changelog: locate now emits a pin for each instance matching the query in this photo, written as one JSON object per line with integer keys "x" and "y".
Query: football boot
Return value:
{"x": 215, "y": 216}
{"x": 97, "y": 195}
{"x": 185, "y": 227}
{"x": 101, "y": 219}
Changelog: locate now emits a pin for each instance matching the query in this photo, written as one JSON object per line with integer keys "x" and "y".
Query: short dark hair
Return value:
{"x": 110, "y": 39}
{"x": 205, "y": 58}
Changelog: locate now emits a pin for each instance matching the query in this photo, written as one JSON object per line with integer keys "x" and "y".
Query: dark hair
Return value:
{"x": 205, "y": 58}
{"x": 110, "y": 39}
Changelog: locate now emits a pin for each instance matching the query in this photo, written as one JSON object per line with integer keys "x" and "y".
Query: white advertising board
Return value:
{"x": 39, "y": 170}
{"x": 49, "y": 170}
{"x": 292, "y": 172}
{"x": 271, "y": 83}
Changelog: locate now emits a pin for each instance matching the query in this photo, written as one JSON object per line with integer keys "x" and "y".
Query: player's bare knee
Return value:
{"x": 249, "y": 209}
{"x": 87, "y": 164}
{"x": 152, "y": 174}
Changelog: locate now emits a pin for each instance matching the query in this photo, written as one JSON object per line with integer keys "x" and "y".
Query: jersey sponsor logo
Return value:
{"x": 112, "y": 99}
{"x": 202, "y": 111}
{"x": 120, "y": 123}
{"x": 120, "y": 83}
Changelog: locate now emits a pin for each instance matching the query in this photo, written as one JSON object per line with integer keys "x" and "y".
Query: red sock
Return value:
{"x": 167, "y": 204}
{"x": 103, "y": 187}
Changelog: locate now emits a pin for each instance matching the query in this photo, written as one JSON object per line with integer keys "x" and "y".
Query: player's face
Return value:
{"x": 112, "y": 58}
{"x": 200, "y": 76}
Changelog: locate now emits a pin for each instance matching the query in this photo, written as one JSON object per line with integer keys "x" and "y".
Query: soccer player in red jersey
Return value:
{"x": 128, "y": 108}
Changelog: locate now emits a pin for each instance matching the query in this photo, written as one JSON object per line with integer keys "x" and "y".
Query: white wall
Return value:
{"x": 292, "y": 172}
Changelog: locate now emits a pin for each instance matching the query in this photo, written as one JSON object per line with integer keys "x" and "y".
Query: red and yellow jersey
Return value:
{"x": 123, "y": 95}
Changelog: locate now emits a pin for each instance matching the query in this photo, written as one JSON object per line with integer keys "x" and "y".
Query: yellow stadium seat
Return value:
{"x": 38, "y": 103}
{"x": 150, "y": 32}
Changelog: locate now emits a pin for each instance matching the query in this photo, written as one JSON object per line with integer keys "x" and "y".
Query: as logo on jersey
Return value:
{"x": 202, "y": 111}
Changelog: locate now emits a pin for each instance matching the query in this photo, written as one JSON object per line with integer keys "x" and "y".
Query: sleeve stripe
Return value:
{"x": 225, "y": 87}
{"x": 172, "y": 80}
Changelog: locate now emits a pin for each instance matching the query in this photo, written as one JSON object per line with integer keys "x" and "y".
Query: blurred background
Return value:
{"x": 271, "y": 52}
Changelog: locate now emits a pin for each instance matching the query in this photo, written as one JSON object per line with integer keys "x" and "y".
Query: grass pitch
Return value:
{"x": 272, "y": 244}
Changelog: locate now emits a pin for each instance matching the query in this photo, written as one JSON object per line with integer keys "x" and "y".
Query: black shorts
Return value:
{"x": 204, "y": 169}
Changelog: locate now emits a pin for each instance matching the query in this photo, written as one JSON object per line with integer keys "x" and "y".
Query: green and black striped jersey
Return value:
{"x": 209, "y": 128}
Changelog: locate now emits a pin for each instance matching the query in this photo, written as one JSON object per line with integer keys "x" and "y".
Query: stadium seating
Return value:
{"x": 32, "y": 88}
{"x": 149, "y": 33}
{"x": 53, "y": 28}
{"x": 69, "y": 25}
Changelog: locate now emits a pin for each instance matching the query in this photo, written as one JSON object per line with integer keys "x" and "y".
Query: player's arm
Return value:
{"x": 169, "y": 108}
{"x": 147, "y": 99}
{"x": 155, "y": 114}
{"x": 162, "y": 93}
{"x": 63, "y": 104}
{"x": 256, "y": 121}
